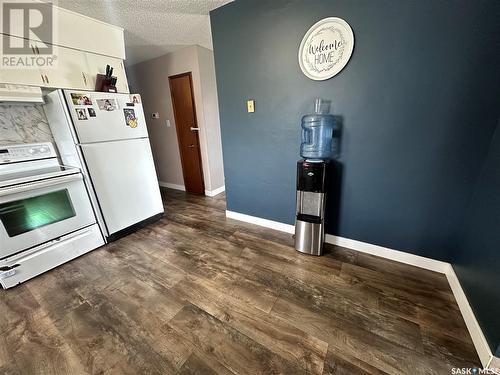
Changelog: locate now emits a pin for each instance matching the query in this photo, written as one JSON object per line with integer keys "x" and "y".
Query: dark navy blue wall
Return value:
{"x": 418, "y": 100}
{"x": 478, "y": 262}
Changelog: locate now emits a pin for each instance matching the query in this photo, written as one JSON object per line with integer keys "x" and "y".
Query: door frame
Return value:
{"x": 190, "y": 75}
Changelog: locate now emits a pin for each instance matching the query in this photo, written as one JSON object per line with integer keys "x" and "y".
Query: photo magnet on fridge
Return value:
{"x": 135, "y": 98}
{"x": 80, "y": 114}
{"x": 91, "y": 112}
{"x": 80, "y": 99}
{"x": 130, "y": 118}
{"x": 107, "y": 104}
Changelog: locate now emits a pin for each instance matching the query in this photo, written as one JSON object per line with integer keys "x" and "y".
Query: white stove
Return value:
{"x": 42, "y": 172}
{"x": 46, "y": 217}
{"x": 30, "y": 162}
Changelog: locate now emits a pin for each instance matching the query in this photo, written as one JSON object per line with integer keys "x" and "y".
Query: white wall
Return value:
{"x": 150, "y": 79}
{"x": 211, "y": 114}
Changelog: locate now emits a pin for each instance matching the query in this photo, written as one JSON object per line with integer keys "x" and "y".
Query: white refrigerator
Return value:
{"x": 105, "y": 135}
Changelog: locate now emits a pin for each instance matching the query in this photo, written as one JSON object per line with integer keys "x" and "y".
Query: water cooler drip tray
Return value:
{"x": 309, "y": 218}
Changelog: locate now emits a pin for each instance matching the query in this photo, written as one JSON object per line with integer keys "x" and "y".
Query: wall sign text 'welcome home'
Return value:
{"x": 326, "y": 48}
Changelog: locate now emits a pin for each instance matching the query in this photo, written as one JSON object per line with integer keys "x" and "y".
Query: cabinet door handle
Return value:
{"x": 37, "y": 51}
{"x": 84, "y": 78}
{"x": 47, "y": 79}
{"x": 33, "y": 49}
{"x": 43, "y": 79}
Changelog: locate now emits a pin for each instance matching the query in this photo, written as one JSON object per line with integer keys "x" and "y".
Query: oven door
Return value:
{"x": 37, "y": 212}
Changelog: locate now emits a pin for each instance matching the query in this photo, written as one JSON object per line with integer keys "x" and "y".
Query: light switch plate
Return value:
{"x": 250, "y": 106}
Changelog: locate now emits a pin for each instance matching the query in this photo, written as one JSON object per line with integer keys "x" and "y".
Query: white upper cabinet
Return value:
{"x": 74, "y": 70}
{"x": 71, "y": 71}
{"x": 83, "y": 48}
{"x": 97, "y": 65}
{"x": 87, "y": 34}
{"x": 80, "y": 32}
{"x": 20, "y": 76}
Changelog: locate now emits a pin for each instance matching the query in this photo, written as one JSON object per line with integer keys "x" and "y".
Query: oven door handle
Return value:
{"x": 40, "y": 184}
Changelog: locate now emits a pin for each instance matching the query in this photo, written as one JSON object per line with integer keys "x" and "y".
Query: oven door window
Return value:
{"x": 28, "y": 214}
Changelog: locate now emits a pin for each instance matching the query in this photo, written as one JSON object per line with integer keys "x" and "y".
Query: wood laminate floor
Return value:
{"x": 196, "y": 293}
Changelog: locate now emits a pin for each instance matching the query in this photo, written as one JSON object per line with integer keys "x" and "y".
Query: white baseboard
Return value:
{"x": 480, "y": 343}
{"x": 209, "y": 193}
{"x": 384, "y": 252}
{"x": 399, "y": 256}
{"x": 213, "y": 193}
{"x": 172, "y": 186}
{"x": 276, "y": 225}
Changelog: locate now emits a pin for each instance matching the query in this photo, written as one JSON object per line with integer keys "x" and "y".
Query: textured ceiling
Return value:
{"x": 152, "y": 27}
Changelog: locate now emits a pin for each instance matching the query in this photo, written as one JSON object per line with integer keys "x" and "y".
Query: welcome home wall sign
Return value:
{"x": 326, "y": 48}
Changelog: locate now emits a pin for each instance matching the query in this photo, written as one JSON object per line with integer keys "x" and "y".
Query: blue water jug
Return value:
{"x": 317, "y": 133}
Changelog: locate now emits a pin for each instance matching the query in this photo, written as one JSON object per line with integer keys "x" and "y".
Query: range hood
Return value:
{"x": 20, "y": 94}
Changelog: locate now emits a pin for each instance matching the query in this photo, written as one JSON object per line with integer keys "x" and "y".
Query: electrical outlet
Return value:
{"x": 168, "y": 123}
{"x": 155, "y": 115}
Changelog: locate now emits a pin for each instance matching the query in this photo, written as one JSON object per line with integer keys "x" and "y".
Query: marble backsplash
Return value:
{"x": 23, "y": 124}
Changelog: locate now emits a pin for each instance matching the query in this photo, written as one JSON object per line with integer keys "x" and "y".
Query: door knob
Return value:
{"x": 195, "y": 129}
{"x": 191, "y": 146}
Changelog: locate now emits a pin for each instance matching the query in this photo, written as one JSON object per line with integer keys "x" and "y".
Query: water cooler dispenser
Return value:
{"x": 317, "y": 148}
{"x": 310, "y": 215}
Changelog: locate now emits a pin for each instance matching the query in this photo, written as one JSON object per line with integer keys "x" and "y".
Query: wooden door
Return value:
{"x": 181, "y": 89}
